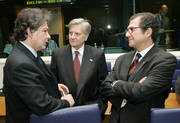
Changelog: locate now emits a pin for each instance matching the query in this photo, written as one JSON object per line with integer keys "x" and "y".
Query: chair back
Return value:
{"x": 176, "y": 74}
{"x": 165, "y": 115}
{"x": 108, "y": 66}
{"x": 77, "y": 114}
{"x": 178, "y": 64}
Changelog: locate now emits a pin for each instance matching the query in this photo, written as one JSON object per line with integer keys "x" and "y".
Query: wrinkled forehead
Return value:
{"x": 76, "y": 28}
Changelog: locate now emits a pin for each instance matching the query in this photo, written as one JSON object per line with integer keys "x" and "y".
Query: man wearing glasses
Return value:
{"x": 141, "y": 79}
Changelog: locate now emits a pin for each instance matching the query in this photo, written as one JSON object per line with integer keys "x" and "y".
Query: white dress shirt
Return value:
{"x": 80, "y": 50}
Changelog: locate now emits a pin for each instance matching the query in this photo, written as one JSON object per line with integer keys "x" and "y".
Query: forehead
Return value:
{"x": 76, "y": 28}
{"x": 135, "y": 22}
{"x": 43, "y": 26}
{"x": 165, "y": 9}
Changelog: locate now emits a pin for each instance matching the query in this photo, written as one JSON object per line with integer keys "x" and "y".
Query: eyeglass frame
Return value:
{"x": 132, "y": 29}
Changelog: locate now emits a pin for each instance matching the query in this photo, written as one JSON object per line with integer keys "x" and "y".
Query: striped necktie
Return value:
{"x": 135, "y": 62}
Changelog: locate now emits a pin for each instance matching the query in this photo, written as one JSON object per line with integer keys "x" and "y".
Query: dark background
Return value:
{"x": 100, "y": 13}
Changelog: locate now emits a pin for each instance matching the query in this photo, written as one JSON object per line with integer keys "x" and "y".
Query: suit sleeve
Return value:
{"x": 54, "y": 65}
{"x": 159, "y": 78}
{"x": 102, "y": 71}
{"x": 107, "y": 89}
{"x": 102, "y": 68}
{"x": 31, "y": 90}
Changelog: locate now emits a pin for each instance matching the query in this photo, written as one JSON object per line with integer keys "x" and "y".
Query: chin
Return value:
{"x": 73, "y": 45}
{"x": 43, "y": 48}
{"x": 130, "y": 45}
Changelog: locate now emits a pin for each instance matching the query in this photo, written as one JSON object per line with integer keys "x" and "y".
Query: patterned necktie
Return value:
{"x": 76, "y": 66}
{"x": 135, "y": 62}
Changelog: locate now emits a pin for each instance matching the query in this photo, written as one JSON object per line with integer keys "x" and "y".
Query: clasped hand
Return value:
{"x": 65, "y": 94}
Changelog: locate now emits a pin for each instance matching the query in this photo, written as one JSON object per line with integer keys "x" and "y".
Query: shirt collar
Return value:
{"x": 30, "y": 49}
{"x": 143, "y": 52}
{"x": 80, "y": 50}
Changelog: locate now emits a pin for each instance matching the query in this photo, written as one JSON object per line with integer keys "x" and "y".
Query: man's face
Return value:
{"x": 135, "y": 35}
{"x": 77, "y": 36}
{"x": 40, "y": 37}
{"x": 164, "y": 11}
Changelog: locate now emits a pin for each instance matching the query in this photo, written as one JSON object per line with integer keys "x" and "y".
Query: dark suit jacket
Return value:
{"x": 92, "y": 72}
{"x": 158, "y": 66}
{"x": 29, "y": 87}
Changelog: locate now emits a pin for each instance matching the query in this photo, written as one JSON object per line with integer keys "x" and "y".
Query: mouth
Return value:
{"x": 73, "y": 41}
{"x": 46, "y": 44}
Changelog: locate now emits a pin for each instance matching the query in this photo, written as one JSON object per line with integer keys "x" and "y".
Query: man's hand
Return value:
{"x": 143, "y": 79}
{"x": 63, "y": 88}
{"x": 68, "y": 98}
{"x": 113, "y": 83}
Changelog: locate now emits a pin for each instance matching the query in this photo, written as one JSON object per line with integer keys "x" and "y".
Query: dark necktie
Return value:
{"x": 76, "y": 66}
{"x": 135, "y": 62}
{"x": 40, "y": 60}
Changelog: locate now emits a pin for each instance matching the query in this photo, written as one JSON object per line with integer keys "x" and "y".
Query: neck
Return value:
{"x": 144, "y": 46}
{"x": 29, "y": 43}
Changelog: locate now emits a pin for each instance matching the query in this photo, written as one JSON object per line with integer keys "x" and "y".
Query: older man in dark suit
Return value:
{"x": 141, "y": 79}
{"x": 29, "y": 87}
{"x": 84, "y": 72}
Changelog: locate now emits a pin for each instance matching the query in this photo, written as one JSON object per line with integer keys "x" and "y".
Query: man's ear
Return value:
{"x": 29, "y": 33}
{"x": 148, "y": 32}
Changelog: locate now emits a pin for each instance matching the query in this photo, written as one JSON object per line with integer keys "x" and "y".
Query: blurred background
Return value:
{"x": 109, "y": 19}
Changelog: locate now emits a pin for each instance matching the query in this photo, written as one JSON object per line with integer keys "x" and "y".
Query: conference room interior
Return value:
{"x": 109, "y": 20}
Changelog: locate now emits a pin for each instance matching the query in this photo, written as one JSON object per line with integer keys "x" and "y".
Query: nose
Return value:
{"x": 72, "y": 35}
{"x": 127, "y": 34}
{"x": 48, "y": 36}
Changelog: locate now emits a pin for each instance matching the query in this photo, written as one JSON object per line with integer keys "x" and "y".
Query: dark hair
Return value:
{"x": 29, "y": 17}
{"x": 148, "y": 20}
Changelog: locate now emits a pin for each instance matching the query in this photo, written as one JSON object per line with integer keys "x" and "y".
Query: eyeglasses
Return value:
{"x": 132, "y": 29}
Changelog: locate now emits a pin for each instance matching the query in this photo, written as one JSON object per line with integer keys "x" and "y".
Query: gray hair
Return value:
{"x": 31, "y": 18}
{"x": 81, "y": 21}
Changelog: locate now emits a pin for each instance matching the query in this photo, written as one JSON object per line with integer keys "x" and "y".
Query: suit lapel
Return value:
{"x": 43, "y": 68}
{"x": 127, "y": 64}
{"x": 87, "y": 60}
{"x": 144, "y": 61}
{"x": 138, "y": 67}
